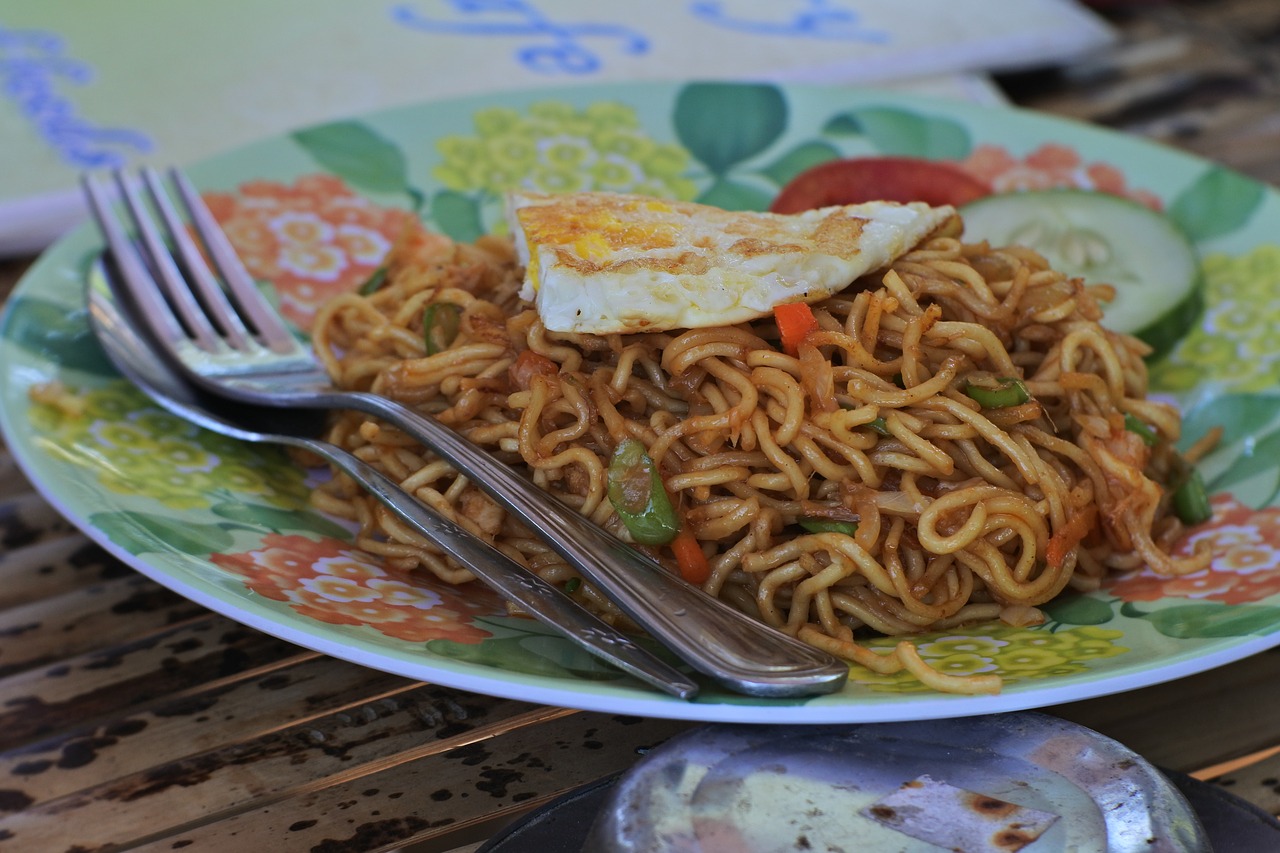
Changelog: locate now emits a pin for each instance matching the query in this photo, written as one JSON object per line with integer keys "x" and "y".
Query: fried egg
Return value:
{"x": 603, "y": 263}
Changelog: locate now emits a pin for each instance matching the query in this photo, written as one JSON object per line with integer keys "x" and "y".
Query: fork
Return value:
{"x": 135, "y": 359}
{"x": 238, "y": 347}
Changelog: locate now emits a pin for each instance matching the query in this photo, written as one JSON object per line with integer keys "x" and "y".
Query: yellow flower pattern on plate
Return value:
{"x": 555, "y": 147}
{"x": 1016, "y": 654}
{"x": 158, "y": 455}
{"x": 1234, "y": 346}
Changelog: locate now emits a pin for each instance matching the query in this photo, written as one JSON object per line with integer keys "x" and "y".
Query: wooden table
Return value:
{"x": 133, "y": 719}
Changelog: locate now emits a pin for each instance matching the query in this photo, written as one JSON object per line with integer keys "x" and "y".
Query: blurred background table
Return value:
{"x": 133, "y": 719}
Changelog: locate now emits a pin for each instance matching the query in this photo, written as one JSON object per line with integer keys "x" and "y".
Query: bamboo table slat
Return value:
{"x": 132, "y": 719}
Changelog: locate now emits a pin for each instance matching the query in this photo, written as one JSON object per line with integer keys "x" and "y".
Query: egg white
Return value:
{"x": 603, "y": 263}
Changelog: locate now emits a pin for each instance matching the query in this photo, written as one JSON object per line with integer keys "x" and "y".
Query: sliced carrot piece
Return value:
{"x": 1063, "y": 540}
{"x": 795, "y": 322}
{"x": 693, "y": 564}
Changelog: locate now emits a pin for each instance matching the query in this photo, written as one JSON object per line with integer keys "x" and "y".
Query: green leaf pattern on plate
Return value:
{"x": 1219, "y": 202}
{"x": 904, "y": 132}
{"x": 46, "y": 329}
{"x": 358, "y": 155}
{"x": 458, "y": 214}
{"x": 1209, "y": 620}
{"x": 795, "y": 161}
{"x": 142, "y": 532}
{"x": 724, "y": 124}
{"x": 256, "y": 516}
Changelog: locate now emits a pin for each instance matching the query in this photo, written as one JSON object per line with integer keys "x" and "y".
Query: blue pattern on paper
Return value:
{"x": 554, "y": 48}
{"x": 819, "y": 19}
{"x": 32, "y": 64}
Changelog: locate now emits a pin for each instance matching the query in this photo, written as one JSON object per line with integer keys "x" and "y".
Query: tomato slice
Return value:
{"x": 901, "y": 179}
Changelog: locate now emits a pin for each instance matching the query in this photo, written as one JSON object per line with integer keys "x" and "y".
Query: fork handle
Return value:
{"x": 535, "y": 596}
{"x": 715, "y": 639}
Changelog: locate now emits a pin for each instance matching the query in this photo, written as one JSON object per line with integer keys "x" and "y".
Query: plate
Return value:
{"x": 991, "y": 783}
{"x": 227, "y": 525}
{"x": 1234, "y": 825}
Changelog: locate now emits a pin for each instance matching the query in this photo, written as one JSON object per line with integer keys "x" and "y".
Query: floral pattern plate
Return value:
{"x": 228, "y": 525}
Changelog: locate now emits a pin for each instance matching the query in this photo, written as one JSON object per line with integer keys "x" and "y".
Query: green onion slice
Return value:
{"x": 1191, "y": 499}
{"x": 440, "y": 322}
{"x": 635, "y": 489}
{"x": 1009, "y": 391}
{"x": 374, "y": 281}
{"x": 1144, "y": 432}
{"x": 828, "y": 525}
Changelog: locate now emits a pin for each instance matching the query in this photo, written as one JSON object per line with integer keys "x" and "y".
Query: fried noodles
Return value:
{"x": 962, "y": 513}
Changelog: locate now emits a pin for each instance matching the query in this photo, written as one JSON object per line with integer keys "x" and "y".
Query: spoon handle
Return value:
{"x": 533, "y": 595}
{"x": 717, "y": 640}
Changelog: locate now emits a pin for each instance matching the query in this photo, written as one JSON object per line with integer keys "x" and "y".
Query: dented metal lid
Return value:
{"x": 1014, "y": 782}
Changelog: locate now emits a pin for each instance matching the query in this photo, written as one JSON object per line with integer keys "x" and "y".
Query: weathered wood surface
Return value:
{"x": 133, "y": 719}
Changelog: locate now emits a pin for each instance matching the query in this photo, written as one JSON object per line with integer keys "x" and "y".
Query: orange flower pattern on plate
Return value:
{"x": 1049, "y": 166}
{"x": 335, "y": 583}
{"x": 1246, "y": 567}
{"x": 313, "y": 239}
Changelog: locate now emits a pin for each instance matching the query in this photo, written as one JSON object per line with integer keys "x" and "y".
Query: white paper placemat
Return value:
{"x": 93, "y": 85}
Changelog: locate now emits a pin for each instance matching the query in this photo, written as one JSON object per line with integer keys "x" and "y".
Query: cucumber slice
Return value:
{"x": 1104, "y": 239}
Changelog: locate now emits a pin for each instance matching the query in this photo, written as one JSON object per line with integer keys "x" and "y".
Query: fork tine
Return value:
{"x": 133, "y": 270}
{"x": 261, "y": 314}
{"x": 166, "y": 272}
{"x": 209, "y": 292}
